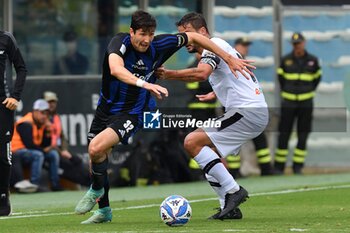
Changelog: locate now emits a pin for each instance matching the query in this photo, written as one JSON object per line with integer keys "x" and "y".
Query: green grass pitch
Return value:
{"x": 311, "y": 203}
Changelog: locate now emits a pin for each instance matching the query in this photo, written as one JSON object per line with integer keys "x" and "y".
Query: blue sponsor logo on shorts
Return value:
{"x": 152, "y": 120}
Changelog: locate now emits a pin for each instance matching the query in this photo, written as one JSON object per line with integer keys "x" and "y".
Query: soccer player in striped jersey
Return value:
{"x": 128, "y": 82}
{"x": 245, "y": 116}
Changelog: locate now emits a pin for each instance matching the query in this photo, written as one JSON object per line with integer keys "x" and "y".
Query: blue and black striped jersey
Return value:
{"x": 121, "y": 97}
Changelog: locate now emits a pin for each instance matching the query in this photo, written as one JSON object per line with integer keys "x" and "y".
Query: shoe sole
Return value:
{"x": 92, "y": 222}
{"x": 28, "y": 190}
{"x": 223, "y": 218}
{"x": 85, "y": 223}
{"x": 234, "y": 217}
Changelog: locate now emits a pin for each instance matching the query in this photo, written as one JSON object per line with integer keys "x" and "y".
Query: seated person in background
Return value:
{"x": 73, "y": 62}
{"x": 72, "y": 165}
{"x": 31, "y": 146}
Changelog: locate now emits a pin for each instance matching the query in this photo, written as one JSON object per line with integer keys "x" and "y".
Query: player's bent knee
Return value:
{"x": 190, "y": 145}
{"x": 98, "y": 151}
{"x": 95, "y": 151}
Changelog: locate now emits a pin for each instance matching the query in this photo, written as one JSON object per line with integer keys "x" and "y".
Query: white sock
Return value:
{"x": 217, "y": 188}
{"x": 211, "y": 164}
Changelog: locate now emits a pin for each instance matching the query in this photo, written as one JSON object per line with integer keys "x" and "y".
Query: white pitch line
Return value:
{"x": 45, "y": 213}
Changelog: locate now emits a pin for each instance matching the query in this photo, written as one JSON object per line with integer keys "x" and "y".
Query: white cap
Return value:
{"x": 41, "y": 105}
{"x": 50, "y": 96}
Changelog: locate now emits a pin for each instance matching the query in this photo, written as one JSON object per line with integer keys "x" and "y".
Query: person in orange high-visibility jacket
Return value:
{"x": 73, "y": 168}
{"x": 299, "y": 75}
{"x": 31, "y": 144}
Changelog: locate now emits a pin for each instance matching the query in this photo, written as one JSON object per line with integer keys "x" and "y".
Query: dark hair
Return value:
{"x": 69, "y": 36}
{"x": 195, "y": 19}
{"x": 144, "y": 20}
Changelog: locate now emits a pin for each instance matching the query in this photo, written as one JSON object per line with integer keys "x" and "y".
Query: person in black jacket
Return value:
{"x": 299, "y": 74}
{"x": 73, "y": 62}
{"x": 9, "y": 99}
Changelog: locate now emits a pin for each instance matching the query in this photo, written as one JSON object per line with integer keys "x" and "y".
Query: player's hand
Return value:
{"x": 242, "y": 66}
{"x": 161, "y": 73}
{"x": 49, "y": 148}
{"x": 156, "y": 90}
{"x": 207, "y": 97}
{"x": 10, "y": 103}
{"x": 66, "y": 154}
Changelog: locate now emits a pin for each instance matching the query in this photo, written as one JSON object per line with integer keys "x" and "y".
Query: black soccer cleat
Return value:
{"x": 279, "y": 168}
{"x": 233, "y": 200}
{"x": 234, "y": 214}
{"x": 266, "y": 169}
{"x": 5, "y": 206}
{"x": 297, "y": 168}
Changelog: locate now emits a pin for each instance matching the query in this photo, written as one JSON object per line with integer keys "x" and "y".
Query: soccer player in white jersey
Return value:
{"x": 245, "y": 117}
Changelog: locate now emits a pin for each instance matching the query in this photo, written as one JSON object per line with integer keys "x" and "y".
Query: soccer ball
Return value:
{"x": 175, "y": 210}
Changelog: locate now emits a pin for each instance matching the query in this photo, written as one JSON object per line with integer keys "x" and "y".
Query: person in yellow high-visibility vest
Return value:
{"x": 299, "y": 75}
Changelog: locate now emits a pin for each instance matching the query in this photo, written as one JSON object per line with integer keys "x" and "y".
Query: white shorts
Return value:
{"x": 237, "y": 127}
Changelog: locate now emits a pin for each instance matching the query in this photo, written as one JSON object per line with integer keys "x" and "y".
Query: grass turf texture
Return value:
{"x": 315, "y": 203}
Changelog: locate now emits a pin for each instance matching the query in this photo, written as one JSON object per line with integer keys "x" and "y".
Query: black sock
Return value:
{"x": 99, "y": 172}
{"x": 104, "y": 201}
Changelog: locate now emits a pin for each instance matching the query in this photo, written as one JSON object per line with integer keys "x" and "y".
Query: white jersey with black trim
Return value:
{"x": 232, "y": 92}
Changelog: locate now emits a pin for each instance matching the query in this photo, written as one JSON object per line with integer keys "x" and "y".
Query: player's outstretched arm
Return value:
{"x": 199, "y": 73}
{"x": 207, "y": 97}
{"x": 116, "y": 65}
{"x": 235, "y": 64}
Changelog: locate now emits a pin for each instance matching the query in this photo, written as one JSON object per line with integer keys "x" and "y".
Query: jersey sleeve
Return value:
{"x": 167, "y": 44}
{"x": 211, "y": 58}
{"x": 168, "y": 41}
{"x": 118, "y": 44}
{"x": 16, "y": 58}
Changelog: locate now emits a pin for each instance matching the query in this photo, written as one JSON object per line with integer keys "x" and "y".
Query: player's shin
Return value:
{"x": 211, "y": 164}
{"x": 217, "y": 188}
{"x": 98, "y": 173}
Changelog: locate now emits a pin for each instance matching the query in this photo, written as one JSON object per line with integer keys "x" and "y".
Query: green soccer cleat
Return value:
{"x": 100, "y": 216}
{"x": 89, "y": 201}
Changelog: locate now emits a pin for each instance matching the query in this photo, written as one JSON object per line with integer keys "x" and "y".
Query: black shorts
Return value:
{"x": 125, "y": 125}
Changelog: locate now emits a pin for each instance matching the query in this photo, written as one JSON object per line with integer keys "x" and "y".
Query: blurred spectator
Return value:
{"x": 72, "y": 165}
{"x": 31, "y": 146}
{"x": 73, "y": 62}
{"x": 299, "y": 75}
{"x": 169, "y": 160}
{"x": 242, "y": 45}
